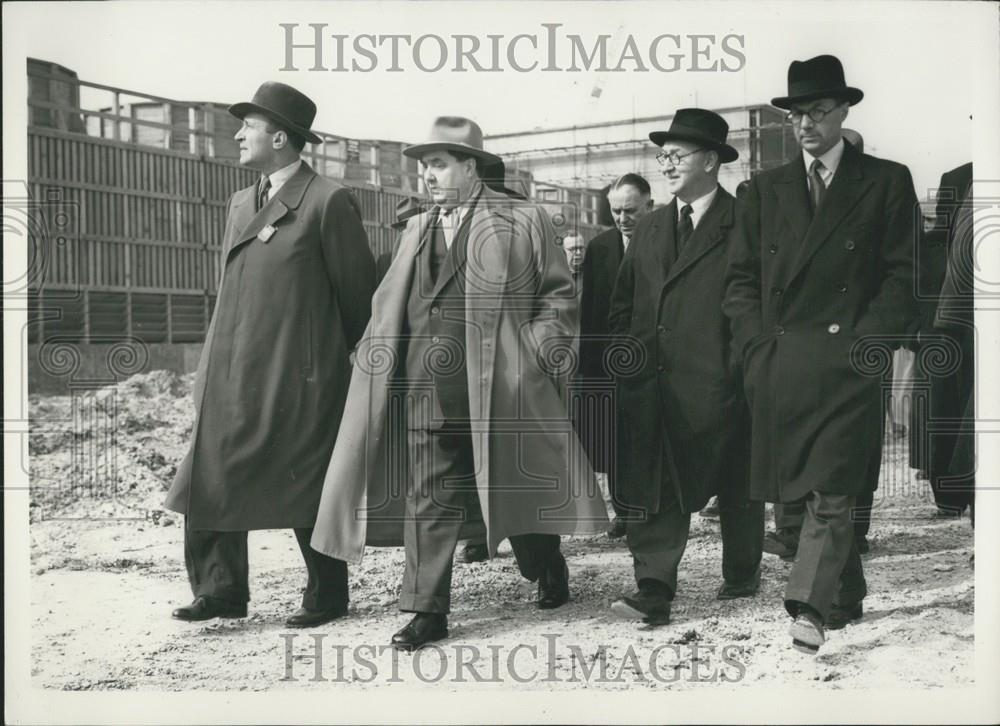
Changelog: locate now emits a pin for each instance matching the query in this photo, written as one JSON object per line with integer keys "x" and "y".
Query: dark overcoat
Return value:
{"x": 818, "y": 303}
{"x": 295, "y": 295}
{"x": 682, "y": 418}
{"x": 594, "y": 412}
{"x": 532, "y": 475}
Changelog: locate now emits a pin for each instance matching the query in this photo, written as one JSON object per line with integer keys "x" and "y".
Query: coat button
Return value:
{"x": 773, "y": 249}
{"x": 661, "y": 328}
{"x": 435, "y": 310}
{"x": 435, "y": 339}
{"x": 849, "y": 245}
{"x": 776, "y": 291}
{"x": 778, "y": 330}
{"x": 833, "y": 329}
{"x": 660, "y": 369}
{"x": 842, "y": 287}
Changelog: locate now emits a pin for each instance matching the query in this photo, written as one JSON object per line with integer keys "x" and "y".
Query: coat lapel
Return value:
{"x": 792, "y": 191}
{"x": 848, "y": 187}
{"x": 711, "y": 230}
{"x": 661, "y": 236}
{"x": 288, "y": 197}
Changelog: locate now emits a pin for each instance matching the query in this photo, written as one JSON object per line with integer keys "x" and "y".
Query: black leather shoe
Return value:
{"x": 206, "y": 608}
{"x": 423, "y": 629}
{"x": 841, "y": 617}
{"x": 472, "y": 553}
{"x": 782, "y": 542}
{"x": 306, "y": 618}
{"x": 650, "y": 604}
{"x": 617, "y": 528}
{"x": 730, "y": 591}
{"x": 553, "y": 586}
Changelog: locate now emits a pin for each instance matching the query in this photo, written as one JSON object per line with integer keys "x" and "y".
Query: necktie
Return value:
{"x": 438, "y": 250}
{"x": 816, "y": 186}
{"x": 684, "y": 227}
{"x": 265, "y": 187}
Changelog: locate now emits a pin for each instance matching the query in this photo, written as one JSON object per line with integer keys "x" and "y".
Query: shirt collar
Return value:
{"x": 831, "y": 159}
{"x": 279, "y": 177}
{"x": 699, "y": 206}
{"x": 456, "y": 215}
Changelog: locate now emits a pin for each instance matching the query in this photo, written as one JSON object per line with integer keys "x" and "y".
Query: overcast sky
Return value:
{"x": 917, "y": 63}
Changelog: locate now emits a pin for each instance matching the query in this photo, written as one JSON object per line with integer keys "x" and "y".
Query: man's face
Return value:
{"x": 628, "y": 206}
{"x": 449, "y": 181}
{"x": 574, "y": 247}
{"x": 818, "y": 137}
{"x": 689, "y": 173}
{"x": 256, "y": 143}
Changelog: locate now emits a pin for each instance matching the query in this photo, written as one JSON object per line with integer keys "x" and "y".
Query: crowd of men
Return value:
{"x": 425, "y": 398}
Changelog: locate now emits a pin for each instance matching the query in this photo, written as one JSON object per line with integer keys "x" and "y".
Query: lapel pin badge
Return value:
{"x": 267, "y": 233}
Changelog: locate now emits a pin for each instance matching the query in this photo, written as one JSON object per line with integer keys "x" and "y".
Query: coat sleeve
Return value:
{"x": 742, "y": 301}
{"x": 349, "y": 262}
{"x": 556, "y": 318}
{"x": 893, "y": 310}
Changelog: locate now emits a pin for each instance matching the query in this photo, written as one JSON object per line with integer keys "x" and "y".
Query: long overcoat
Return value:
{"x": 818, "y": 304}
{"x": 682, "y": 416}
{"x": 531, "y": 472}
{"x": 294, "y": 299}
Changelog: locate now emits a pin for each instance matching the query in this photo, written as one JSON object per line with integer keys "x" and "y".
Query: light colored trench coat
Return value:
{"x": 532, "y": 474}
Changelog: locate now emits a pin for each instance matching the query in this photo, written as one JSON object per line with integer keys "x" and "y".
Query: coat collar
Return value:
{"x": 289, "y": 196}
{"x": 711, "y": 230}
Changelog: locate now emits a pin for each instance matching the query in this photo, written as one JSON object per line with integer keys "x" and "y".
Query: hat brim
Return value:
{"x": 418, "y": 150}
{"x": 240, "y": 111}
{"x": 726, "y": 152}
{"x": 848, "y": 93}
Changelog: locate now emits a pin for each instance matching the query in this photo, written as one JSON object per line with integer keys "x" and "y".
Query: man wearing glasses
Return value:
{"x": 820, "y": 278}
{"x": 682, "y": 417}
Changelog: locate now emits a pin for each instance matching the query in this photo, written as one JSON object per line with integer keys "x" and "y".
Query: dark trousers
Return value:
{"x": 789, "y": 515}
{"x": 657, "y": 543}
{"x": 827, "y": 571}
{"x": 438, "y": 501}
{"x": 218, "y": 567}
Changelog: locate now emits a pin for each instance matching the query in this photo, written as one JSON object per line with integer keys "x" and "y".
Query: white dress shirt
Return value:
{"x": 831, "y": 160}
{"x": 451, "y": 221}
{"x": 279, "y": 177}
{"x": 698, "y": 207}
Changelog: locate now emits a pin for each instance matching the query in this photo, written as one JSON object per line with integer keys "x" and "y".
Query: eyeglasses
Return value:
{"x": 816, "y": 114}
{"x": 673, "y": 157}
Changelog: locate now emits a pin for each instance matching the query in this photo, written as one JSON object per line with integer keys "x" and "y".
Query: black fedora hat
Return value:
{"x": 819, "y": 77}
{"x": 454, "y": 133}
{"x": 698, "y": 126}
{"x": 287, "y": 106}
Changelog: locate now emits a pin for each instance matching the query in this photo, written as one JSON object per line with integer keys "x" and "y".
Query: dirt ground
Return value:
{"x": 107, "y": 568}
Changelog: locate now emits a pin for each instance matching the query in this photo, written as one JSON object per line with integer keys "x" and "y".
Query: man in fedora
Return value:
{"x": 820, "y": 278}
{"x": 629, "y": 199}
{"x": 683, "y": 433}
{"x": 297, "y": 278}
{"x": 456, "y": 397}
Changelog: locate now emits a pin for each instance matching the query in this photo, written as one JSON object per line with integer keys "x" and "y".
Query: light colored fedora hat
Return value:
{"x": 453, "y": 133}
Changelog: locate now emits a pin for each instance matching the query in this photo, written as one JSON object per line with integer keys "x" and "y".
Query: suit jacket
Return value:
{"x": 293, "y": 301}
{"x": 818, "y": 303}
{"x": 681, "y": 411}
{"x": 531, "y": 472}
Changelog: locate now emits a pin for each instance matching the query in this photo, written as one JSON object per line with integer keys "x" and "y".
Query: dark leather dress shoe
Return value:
{"x": 206, "y": 608}
{"x": 553, "y": 586}
{"x": 711, "y": 510}
{"x": 306, "y": 618}
{"x": 471, "y": 553}
{"x": 423, "y": 629}
{"x": 650, "y": 604}
{"x": 841, "y": 617}
{"x": 864, "y": 547}
{"x": 617, "y": 529}
{"x": 730, "y": 591}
